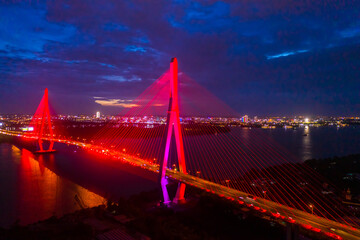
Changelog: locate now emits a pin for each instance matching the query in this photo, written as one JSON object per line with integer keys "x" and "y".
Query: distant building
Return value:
{"x": 245, "y": 119}
{"x": 348, "y": 195}
{"x": 97, "y": 114}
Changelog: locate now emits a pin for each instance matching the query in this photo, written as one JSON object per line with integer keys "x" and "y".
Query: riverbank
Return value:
{"x": 203, "y": 216}
{"x": 344, "y": 175}
{"x": 141, "y": 217}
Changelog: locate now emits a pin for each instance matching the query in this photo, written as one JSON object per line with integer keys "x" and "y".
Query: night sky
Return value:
{"x": 268, "y": 57}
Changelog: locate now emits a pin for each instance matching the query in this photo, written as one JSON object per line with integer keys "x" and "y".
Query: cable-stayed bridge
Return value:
{"x": 252, "y": 175}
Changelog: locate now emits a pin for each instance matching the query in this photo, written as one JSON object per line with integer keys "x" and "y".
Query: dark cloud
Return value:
{"x": 261, "y": 57}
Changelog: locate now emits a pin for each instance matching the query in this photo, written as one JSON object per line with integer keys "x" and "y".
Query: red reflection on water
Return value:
{"x": 42, "y": 194}
{"x": 41, "y": 164}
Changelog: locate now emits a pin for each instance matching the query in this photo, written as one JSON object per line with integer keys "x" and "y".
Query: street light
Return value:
{"x": 227, "y": 183}
{"x": 312, "y": 208}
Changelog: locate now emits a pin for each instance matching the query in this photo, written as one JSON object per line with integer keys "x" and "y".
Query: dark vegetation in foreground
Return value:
{"x": 207, "y": 217}
{"x": 334, "y": 181}
{"x": 204, "y": 216}
{"x": 343, "y": 172}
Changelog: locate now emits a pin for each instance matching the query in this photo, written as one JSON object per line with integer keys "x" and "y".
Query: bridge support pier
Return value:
{"x": 45, "y": 119}
{"x": 166, "y": 199}
{"x": 173, "y": 125}
{"x": 292, "y": 231}
{"x": 179, "y": 197}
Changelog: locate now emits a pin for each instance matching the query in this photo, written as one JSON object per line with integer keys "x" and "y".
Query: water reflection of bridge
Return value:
{"x": 37, "y": 192}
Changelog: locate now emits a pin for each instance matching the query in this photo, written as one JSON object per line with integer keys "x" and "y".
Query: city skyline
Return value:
{"x": 281, "y": 58}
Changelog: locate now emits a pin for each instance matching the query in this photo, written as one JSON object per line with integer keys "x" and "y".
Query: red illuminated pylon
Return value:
{"x": 173, "y": 124}
{"x": 42, "y": 117}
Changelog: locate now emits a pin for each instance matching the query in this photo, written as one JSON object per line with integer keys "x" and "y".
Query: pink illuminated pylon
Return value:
{"x": 45, "y": 119}
{"x": 173, "y": 124}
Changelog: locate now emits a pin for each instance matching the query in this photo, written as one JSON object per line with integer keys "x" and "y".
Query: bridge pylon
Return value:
{"x": 40, "y": 120}
{"x": 173, "y": 125}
